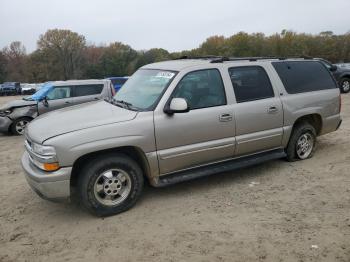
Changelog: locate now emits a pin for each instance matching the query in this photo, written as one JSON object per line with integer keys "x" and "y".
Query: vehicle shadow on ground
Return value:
{"x": 199, "y": 185}
{"x": 74, "y": 209}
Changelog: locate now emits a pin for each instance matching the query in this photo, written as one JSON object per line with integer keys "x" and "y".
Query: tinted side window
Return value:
{"x": 59, "y": 92}
{"x": 304, "y": 76}
{"x": 87, "y": 90}
{"x": 250, "y": 83}
{"x": 202, "y": 89}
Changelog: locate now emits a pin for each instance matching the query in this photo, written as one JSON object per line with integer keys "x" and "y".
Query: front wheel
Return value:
{"x": 302, "y": 142}
{"x": 18, "y": 126}
{"x": 345, "y": 85}
{"x": 110, "y": 184}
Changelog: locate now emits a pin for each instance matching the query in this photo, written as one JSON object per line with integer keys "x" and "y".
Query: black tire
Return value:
{"x": 300, "y": 130}
{"x": 14, "y": 126}
{"x": 91, "y": 173}
{"x": 344, "y": 85}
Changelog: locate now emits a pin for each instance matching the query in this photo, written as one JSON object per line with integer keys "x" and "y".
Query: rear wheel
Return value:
{"x": 18, "y": 126}
{"x": 302, "y": 142}
{"x": 345, "y": 85}
{"x": 110, "y": 184}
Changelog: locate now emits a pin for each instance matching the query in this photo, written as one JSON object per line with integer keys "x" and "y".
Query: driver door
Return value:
{"x": 58, "y": 97}
{"x": 203, "y": 135}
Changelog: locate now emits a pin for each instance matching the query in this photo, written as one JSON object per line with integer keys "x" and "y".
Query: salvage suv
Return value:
{"x": 178, "y": 120}
{"x": 15, "y": 115}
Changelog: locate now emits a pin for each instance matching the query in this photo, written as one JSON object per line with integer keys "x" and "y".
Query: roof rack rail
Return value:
{"x": 198, "y": 57}
{"x": 221, "y": 59}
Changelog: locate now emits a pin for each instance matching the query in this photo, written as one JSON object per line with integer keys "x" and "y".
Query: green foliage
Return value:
{"x": 63, "y": 54}
{"x": 62, "y": 51}
{"x": 117, "y": 59}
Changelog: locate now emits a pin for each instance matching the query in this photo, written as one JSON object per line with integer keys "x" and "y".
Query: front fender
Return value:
{"x": 25, "y": 111}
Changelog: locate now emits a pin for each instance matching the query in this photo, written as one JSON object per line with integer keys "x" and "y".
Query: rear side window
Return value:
{"x": 304, "y": 76}
{"x": 250, "y": 83}
{"x": 88, "y": 90}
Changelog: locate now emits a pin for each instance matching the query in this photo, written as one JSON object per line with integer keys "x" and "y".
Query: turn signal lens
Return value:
{"x": 51, "y": 166}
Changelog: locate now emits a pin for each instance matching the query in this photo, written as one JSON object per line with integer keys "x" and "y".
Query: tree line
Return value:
{"x": 63, "y": 54}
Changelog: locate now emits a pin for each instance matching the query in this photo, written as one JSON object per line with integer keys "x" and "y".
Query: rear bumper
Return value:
{"x": 48, "y": 185}
{"x": 331, "y": 123}
{"x": 5, "y": 123}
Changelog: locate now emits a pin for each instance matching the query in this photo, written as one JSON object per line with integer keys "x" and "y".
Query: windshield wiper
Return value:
{"x": 124, "y": 104}
{"x": 127, "y": 104}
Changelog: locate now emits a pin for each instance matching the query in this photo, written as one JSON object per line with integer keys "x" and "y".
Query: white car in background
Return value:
{"x": 28, "y": 89}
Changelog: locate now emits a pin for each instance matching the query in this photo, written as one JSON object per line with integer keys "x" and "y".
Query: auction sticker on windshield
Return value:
{"x": 165, "y": 74}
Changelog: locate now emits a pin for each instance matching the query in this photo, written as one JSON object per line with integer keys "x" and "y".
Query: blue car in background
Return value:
{"x": 10, "y": 88}
{"x": 118, "y": 81}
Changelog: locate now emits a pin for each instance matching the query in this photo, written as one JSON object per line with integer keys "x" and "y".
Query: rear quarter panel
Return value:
{"x": 323, "y": 102}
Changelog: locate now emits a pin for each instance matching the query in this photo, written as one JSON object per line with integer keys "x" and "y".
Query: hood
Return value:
{"x": 75, "y": 118}
{"x": 17, "y": 103}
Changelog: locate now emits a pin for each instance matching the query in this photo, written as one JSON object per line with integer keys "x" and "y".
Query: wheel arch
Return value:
{"x": 13, "y": 120}
{"x": 314, "y": 119}
{"x": 133, "y": 152}
{"x": 346, "y": 75}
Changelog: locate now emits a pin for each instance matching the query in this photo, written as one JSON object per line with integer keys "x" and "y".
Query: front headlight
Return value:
{"x": 43, "y": 150}
{"x": 43, "y": 157}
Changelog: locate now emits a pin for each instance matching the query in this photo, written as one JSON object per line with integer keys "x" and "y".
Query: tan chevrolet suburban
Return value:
{"x": 178, "y": 120}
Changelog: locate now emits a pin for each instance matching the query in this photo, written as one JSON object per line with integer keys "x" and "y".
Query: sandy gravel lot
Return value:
{"x": 277, "y": 211}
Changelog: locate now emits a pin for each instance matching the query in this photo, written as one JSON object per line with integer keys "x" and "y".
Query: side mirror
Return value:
{"x": 177, "y": 105}
{"x": 333, "y": 68}
{"x": 44, "y": 101}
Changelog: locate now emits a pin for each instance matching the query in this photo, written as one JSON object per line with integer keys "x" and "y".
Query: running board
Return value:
{"x": 221, "y": 167}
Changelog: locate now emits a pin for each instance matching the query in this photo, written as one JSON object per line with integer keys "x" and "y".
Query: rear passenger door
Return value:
{"x": 87, "y": 93}
{"x": 258, "y": 113}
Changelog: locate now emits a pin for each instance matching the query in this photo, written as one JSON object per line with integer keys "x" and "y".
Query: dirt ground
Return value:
{"x": 277, "y": 211}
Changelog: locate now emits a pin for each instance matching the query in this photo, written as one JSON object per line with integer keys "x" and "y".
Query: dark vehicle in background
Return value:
{"x": 15, "y": 115}
{"x": 10, "y": 88}
{"x": 340, "y": 73}
{"x": 118, "y": 81}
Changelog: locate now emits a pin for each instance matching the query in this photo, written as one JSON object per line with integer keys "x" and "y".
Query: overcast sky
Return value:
{"x": 174, "y": 25}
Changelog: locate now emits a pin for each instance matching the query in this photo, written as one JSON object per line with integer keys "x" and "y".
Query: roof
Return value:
{"x": 79, "y": 82}
{"x": 180, "y": 64}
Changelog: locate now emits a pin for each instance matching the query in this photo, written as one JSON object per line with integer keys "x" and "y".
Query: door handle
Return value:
{"x": 272, "y": 110}
{"x": 226, "y": 117}
{"x": 67, "y": 102}
{"x": 96, "y": 98}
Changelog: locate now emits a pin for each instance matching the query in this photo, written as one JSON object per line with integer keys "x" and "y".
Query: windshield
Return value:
{"x": 144, "y": 88}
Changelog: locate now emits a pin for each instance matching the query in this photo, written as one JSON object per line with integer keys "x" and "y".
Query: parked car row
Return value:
{"x": 10, "y": 88}
{"x": 16, "y": 88}
{"x": 172, "y": 121}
